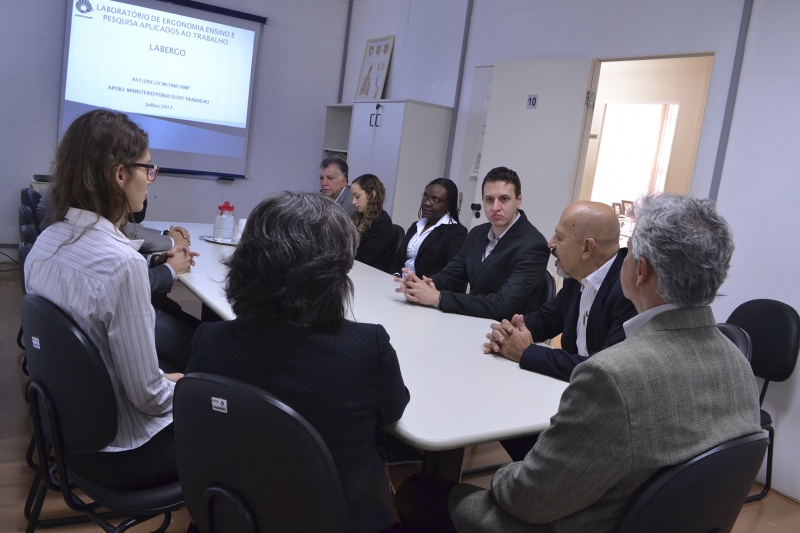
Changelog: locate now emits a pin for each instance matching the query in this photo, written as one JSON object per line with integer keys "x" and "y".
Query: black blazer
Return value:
{"x": 347, "y": 385}
{"x": 377, "y": 244}
{"x": 438, "y": 248}
{"x": 609, "y": 311}
{"x": 509, "y": 281}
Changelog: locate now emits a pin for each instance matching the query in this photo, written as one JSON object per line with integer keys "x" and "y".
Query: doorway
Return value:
{"x": 645, "y": 128}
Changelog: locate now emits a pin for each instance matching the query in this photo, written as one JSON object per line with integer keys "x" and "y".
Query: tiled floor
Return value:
{"x": 774, "y": 513}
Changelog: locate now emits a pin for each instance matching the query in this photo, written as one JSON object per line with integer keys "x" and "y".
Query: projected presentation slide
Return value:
{"x": 149, "y": 62}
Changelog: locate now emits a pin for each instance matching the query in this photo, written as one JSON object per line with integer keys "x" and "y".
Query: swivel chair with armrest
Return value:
{"x": 30, "y": 199}
{"x": 28, "y": 232}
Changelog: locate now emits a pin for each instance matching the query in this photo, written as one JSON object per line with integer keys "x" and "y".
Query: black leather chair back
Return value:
{"x": 739, "y": 337}
{"x": 30, "y": 199}
{"x": 774, "y": 329}
{"x": 65, "y": 364}
{"x": 399, "y": 237}
{"x": 702, "y": 495}
{"x": 249, "y": 463}
{"x": 550, "y": 286}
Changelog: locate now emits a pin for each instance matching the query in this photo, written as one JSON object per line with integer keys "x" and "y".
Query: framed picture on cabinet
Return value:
{"x": 627, "y": 208}
{"x": 374, "y": 68}
{"x": 617, "y": 207}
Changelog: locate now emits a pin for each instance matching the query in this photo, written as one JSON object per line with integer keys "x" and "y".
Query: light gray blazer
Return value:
{"x": 345, "y": 201}
{"x": 154, "y": 240}
{"x": 674, "y": 389}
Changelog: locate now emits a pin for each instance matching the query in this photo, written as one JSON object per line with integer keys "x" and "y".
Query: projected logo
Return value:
{"x": 83, "y": 6}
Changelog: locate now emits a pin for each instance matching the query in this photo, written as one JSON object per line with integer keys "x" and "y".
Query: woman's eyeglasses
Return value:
{"x": 152, "y": 170}
{"x": 432, "y": 200}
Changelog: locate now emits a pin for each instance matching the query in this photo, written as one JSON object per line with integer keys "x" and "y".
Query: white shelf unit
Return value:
{"x": 337, "y": 130}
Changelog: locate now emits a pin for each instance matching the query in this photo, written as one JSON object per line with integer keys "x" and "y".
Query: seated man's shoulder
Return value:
{"x": 481, "y": 230}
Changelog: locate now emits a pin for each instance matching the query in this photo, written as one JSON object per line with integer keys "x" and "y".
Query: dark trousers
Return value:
{"x": 173, "y": 341}
{"x": 421, "y": 503}
{"x": 517, "y": 448}
{"x": 150, "y": 465}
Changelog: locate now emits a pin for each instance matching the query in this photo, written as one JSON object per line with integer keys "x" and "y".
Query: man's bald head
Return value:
{"x": 586, "y": 237}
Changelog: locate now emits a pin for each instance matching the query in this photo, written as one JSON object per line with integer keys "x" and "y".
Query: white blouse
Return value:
{"x": 417, "y": 239}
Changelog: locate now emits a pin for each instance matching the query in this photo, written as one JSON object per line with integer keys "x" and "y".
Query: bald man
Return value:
{"x": 589, "y": 310}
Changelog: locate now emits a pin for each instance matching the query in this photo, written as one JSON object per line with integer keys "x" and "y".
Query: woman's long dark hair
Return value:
{"x": 376, "y": 193}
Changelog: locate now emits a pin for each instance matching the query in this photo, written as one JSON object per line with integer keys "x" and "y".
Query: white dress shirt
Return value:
{"x": 636, "y": 322}
{"x": 589, "y": 287}
{"x": 417, "y": 239}
{"x": 96, "y": 275}
{"x": 494, "y": 240}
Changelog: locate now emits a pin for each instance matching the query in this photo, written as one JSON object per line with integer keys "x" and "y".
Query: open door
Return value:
{"x": 537, "y": 124}
{"x": 645, "y": 127}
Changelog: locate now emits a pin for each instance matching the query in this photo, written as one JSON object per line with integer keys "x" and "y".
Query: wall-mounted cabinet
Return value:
{"x": 403, "y": 142}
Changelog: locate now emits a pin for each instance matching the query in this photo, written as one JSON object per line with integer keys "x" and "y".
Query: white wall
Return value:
{"x": 427, "y": 47}
{"x": 759, "y": 197}
{"x": 298, "y": 73}
{"x": 32, "y": 40}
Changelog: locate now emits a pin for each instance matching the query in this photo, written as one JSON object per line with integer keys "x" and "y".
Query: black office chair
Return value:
{"x": 702, "y": 495}
{"x": 739, "y": 337}
{"x": 249, "y": 463}
{"x": 774, "y": 329}
{"x": 28, "y": 232}
{"x": 399, "y": 237}
{"x": 30, "y": 199}
{"x": 550, "y": 287}
{"x": 22, "y": 254}
{"x": 74, "y": 411}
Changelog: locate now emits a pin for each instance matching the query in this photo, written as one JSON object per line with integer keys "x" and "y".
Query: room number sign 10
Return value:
{"x": 532, "y": 98}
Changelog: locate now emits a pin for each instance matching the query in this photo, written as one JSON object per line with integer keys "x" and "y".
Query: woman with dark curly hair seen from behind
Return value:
{"x": 287, "y": 283}
{"x": 437, "y": 237}
{"x": 377, "y": 244}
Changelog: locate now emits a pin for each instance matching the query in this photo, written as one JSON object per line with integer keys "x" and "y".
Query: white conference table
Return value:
{"x": 459, "y": 395}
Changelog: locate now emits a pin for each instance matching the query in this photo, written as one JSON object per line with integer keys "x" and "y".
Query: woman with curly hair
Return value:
{"x": 377, "y": 243}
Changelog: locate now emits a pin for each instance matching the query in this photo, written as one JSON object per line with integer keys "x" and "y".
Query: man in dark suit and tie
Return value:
{"x": 589, "y": 310}
{"x": 674, "y": 388}
{"x": 503, "y": 261}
